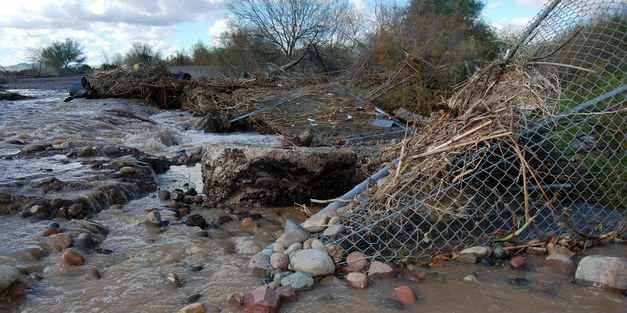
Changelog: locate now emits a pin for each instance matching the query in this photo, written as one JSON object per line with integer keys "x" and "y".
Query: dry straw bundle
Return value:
{"x": 488, "y": 110}
{"x": 127, "y": 82}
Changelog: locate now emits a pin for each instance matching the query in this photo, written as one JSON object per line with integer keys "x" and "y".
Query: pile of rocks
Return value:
{"x": 296, "y": 260}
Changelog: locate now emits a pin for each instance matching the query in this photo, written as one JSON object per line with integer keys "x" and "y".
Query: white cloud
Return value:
{"x": 511, "y": 26}
{"x": 492, "y": 5}
{"x": 219, "y": 27}
{"x": 536, "y": 4}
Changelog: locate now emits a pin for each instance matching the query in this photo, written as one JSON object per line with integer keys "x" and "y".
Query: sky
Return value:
{"x": 106, "y": 27}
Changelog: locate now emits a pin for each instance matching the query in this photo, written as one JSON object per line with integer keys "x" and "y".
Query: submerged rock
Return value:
{"x": 561, "y": 263}
{"x": 196, "y": 220}
{"x": 404, "y": 294}
{"x": 517, "y": 261}
{"x": 154, "y": 218}
{"x": 73, "y": 258}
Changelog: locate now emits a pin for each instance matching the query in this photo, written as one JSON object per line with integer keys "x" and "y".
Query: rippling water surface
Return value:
{"x": 133, "y": 275}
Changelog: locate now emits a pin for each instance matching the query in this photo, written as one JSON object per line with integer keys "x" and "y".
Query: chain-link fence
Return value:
{"x": 533, "y": 145}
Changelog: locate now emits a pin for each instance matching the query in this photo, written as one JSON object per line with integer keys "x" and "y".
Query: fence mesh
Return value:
{"x": 533, "y": 145}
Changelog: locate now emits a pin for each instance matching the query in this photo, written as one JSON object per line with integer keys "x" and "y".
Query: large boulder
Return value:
{"x": 603, "y": 271}
{"x": 267, "y": 176}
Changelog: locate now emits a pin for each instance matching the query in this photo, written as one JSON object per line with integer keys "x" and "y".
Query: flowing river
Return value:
{"x": 130, "y": 272}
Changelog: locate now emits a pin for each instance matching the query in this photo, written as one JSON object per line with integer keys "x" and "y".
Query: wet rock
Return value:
{"x": 248, "y": 223}
{"x": 259, "y": 265}
{"x": 335, "y": 252}
{"x": 173, "y": 204}
{"x": 173, "y": 280}
{"x": 280, "y": 261}
{"x": 603, "y": 271}
{"x": 293, "y": 236}
{"x": 235, "y": 298}
{"x": 53, "y": 225}
{"x": 317, "y": 223}
{"x": 393, "y": 304}
{"x": 34, "y": 252}
{"x": 486, "y": 261}
{"x": 246, "y": 245}
{"x": 194, "y": 308}
{"x": 128, "y": 171}
{"x": 478, "y": 251}
{"x": 85, "y": 242}
{"x": 154, "y": 218}
{"x": 177, "y": 195}
{"x": 163, "y": 195}
{"x": 195, "y": 267}
{"x": 499, "y": 253}
{"x": 75, "y": 210}
{"x": 472, "y": 278}
{"x": 517, "y": 261}
{"x": 198, "y": 199}
{"x": 333, "y": 230}
{"x": 313, "y": 261}
{"x": 8, "y": 276}
{"x": 552, "y": 248}
{"x": 36, "y": 209}
{"x": 404, "y": 294}
{"x": 196, "y": 220}
{"x": 561, "y": 263}
{"x": 94, "y": 272}
{"x": 380, "y": 270}
{"x": 262, "y": 299}
{"x": 298, "y": 281}
{"x": 266, "y": 183}
{"x": 221, "y": 220}
{"x": 357, "y": 280}
{"x": 357, "y": 261}
{"x": 519, "y": 281}
{"x": 56, "y": 242}
{"x": 287, "y": 293}
{"x": 51, "y": 231}
{"x": 73, "y": 258}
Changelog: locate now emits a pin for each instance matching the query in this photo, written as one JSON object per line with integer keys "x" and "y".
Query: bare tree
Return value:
{"x": 36, "y": 55}
{"x": 289, "y": 24}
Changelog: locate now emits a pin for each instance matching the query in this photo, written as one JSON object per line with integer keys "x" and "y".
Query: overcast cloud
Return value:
{"x": 105, "y": 27}
{"x": 102, "y": 26}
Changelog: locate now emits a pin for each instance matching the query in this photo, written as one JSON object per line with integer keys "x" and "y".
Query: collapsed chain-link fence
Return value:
{"x": 533, "y": 145}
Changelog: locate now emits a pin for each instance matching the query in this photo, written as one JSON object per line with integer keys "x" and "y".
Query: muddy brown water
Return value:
{"x": 133, "y": 275}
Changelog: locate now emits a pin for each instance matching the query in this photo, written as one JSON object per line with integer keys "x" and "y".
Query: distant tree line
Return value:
{"x": 436, "y": 44}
